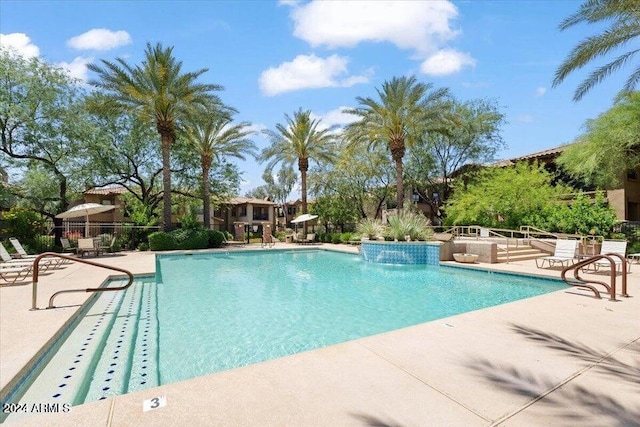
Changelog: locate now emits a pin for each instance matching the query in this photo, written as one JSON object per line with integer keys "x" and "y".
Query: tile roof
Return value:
{"x": 252, "y": 200}
{"x": 113, "y": 189}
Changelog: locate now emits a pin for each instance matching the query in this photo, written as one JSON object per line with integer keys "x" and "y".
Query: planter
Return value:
{"x": 465, "y": 258}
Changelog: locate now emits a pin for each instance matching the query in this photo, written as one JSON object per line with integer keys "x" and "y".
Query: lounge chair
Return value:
{"x": 22, "y": 254}
{"x": 226, "y": 242}
{"x": 8, "y": 261}
{"x": 15, "y": 272}
{"x": 565, "y": 252}
{"x": 618, "y": 247}
{"x": 311, "y": 238}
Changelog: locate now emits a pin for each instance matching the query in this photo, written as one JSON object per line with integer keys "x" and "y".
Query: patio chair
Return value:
{"x": 565, "y": 252}
{"x": 86, "y": 246}
{"x": 311, "y": 238}
{"x": 226, "y": 242}
{"x": 268, "y": 240}
{"x": 15, "y": 272}
{"x": 22, "y": 254}
{"x": 8, "y": 261}
{"x": 618, "y": 247}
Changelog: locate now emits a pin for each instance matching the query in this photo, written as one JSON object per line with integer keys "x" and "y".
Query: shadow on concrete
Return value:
{"x": 371, "y": 421}
{"x": 575, "y": 404}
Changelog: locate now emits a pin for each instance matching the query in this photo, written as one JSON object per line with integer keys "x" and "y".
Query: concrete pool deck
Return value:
{"x": 563, "y": 358}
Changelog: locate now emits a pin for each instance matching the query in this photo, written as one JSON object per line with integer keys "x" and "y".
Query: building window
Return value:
{"x": 242, "y": 210}
{"x": 260, "y": 213}
{"x": 106, "y": 202}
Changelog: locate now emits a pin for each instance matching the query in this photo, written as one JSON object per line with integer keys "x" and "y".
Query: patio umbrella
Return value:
{"x": 85, "y": 210}
{"x": 303, "y": 218}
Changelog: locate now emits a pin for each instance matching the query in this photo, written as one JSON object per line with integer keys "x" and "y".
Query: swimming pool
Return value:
{"x": 210, "y": 312}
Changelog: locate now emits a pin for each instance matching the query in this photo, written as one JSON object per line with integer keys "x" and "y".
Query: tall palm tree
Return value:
{"x": 214, "y": 137}
{"x": 400, "y": 117}
{"x": 299, "y": 139}
{"x": 625, "y": 26}
{"x": 158, "y": 91}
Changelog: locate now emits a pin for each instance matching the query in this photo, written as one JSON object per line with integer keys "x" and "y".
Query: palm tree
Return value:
{"x": 625, "y": 26}
{"x": 156, "y": 91}
{"x": 213, "y": 136}
{"x": 299, "y": 139}
{"x": 403, "y": 114}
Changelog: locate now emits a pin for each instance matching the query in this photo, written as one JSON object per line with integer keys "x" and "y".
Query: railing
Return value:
{"x": 579, "y": 282}
{"x": 34, "y": 291}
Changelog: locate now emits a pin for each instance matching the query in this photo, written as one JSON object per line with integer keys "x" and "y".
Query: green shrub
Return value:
{"x": 143, "y": 247}
{"x": 191, "y": 239}
{"x": 281, "y": 235}
{"x": 43, "y": 244}
{"x": 161, "y": 241}
{"x": 371, "y": 228}
{"x": 335, "y": 238}
{"x": 23, "y": 224}
{"x": 215, "y": 238}
{"x": 409, "y": 223}
{"x": 345, "y": 237}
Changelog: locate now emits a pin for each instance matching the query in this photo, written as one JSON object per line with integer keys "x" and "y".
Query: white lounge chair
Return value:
{"x": 12, "y": 273}
{"x": 612, "y": 247}
{"x": 8, "y": 261}
{"x": 565, "y": 252}
{"x": 24, "y": 255}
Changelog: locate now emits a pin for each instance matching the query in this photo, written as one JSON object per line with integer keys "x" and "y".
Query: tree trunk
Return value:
{"x": 397, "y": 153}
{"x": 206, "y": 192}
{"x": 166, "y": 181}
{"x": 64, "y": 204}
{"x": 303, "y": 166}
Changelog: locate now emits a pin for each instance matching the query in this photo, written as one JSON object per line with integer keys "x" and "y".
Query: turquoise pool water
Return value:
{"x": 212, "y": 312}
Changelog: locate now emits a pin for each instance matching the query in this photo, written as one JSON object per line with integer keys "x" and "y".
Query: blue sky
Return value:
{"x": 274, "y": 57}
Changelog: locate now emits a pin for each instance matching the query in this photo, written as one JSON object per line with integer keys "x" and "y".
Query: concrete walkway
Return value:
{"x": 563, "y": 358}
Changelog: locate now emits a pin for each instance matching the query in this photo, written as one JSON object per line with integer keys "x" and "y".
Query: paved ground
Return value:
{"x": 564, "y": 358}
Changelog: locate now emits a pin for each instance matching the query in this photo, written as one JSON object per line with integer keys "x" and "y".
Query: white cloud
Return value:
{"x": 446, "y": 62}
{"x": 407, "y": 24}
{"x": 307, "y": 72}
{"x": 288, "y": 2}
{"x": 337, "y": 117}
{"x": 19, "y": 43}
{"x": 423, "y": 27}
{"x": 525, "y": 118}
{"x": 541, "y": 91}
{"x": 99, "y": 39}
{"x": 77, "y": 68}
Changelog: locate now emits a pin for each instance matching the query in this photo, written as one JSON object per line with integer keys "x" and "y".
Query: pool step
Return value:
{"x": 519, "y": 253}
{"x": 111, "y": 374}
{"x": 144, "y": 363}
{"x": 61, "y": 381}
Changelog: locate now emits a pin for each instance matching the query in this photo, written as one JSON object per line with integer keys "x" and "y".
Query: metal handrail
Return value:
{"x": 36, "y": 261}
{"x": 582, "y": 283}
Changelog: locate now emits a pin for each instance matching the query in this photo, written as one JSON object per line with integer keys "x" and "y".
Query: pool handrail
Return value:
{"x": 36, "y": 261}
{"x": 582, "y": 283}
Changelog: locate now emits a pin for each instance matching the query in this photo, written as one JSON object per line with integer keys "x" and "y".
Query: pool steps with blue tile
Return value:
{"x": 118, "y": 353}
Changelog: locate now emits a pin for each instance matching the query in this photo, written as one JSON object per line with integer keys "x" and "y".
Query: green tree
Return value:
{"x": 213, "y": 136}
{"x": 44, "y": 129}
{"x": 405, "y": 111}
{"x": 610, "y": 145}
{"x": 157, "y": 91}
{"x": 503, "y": 197}
{"x": 279, "y": 189}
{"x": 470, "y": 134}
{"x": 299, "y": 140}
{"x": 624, "y": 16}
{"x": 356, "y": 185}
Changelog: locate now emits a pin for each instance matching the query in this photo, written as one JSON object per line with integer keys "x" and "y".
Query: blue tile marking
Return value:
{"x": 401, "y": 252}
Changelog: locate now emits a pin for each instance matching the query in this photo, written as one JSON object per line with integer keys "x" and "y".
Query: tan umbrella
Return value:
{"x": 85, "y": 210}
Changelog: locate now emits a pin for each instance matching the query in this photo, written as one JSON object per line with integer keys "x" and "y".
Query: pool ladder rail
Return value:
{"x": 36, "y": 261}
{"x": 583, "y": 283}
